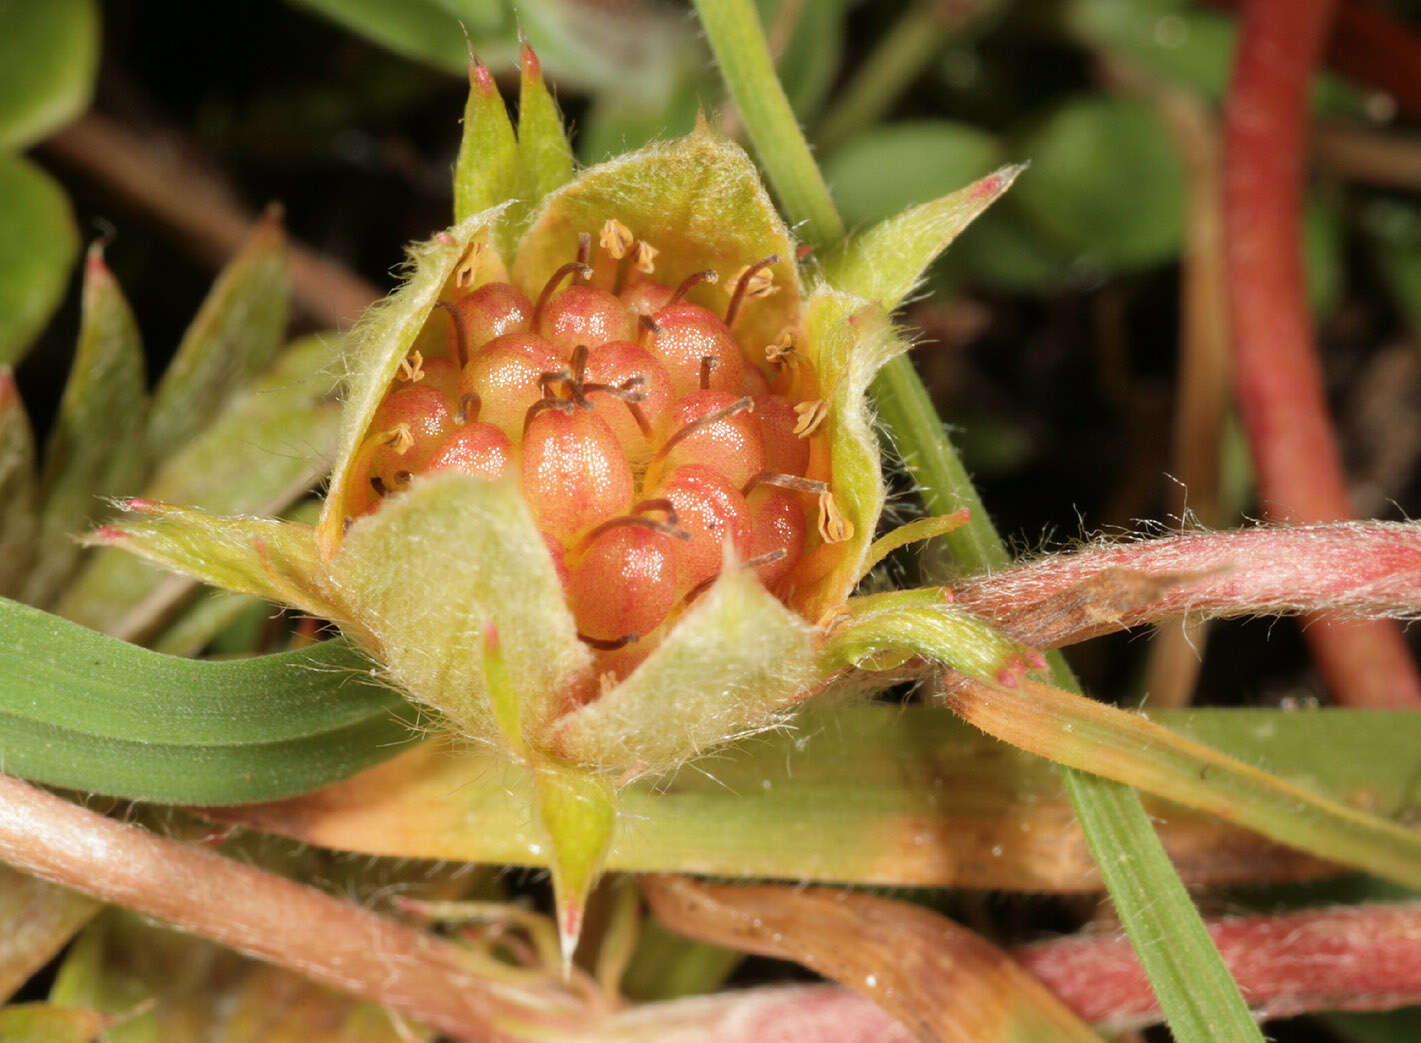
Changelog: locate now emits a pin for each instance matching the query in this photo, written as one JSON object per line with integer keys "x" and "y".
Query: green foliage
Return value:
{"x": 49, "y": 53}
{"x": 38, "y": 244}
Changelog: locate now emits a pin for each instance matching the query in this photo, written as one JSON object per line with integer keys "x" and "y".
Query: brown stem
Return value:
{"x": 159, "y": 177}
{"x": 263, "y": 915}
{"x": 1277, "y": 375}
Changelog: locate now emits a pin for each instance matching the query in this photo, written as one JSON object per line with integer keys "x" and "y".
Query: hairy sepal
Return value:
{"x": 486, "y": 172}
{"x": 272, "y": 559}
{"x": 385, "y": 337}
{"x": 699, "y": 201}
{"x": 730, "y": 667}
{"x": 884, "y": 262}
{"x": 848, "y": 339}
{"x": 429, "y": 572}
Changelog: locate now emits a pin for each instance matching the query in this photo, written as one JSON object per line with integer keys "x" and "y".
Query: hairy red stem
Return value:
{"x": 1356, "y": 569}
{"x": 1364, "y": 957}
{"x": 1277, "y": 376}
{"x": 262, "y": 915}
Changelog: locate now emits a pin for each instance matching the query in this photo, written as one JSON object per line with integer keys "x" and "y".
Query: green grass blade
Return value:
{"x": 733, "y": 28}
{"x": 96, "y": 448}
{"x": 1151, "y": 900}
{"x": 81, "y": 710}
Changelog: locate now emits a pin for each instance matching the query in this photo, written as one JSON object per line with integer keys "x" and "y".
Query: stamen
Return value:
{"x": 740, "y": 405}
{"x": 584, "y": 253}
{"x": 412, "y": 368}
{"x": 609, "y": 646}
{"x": 754, "y": 281}
{"x": 616, "y": 238}
{"x": 690, "y": 282}
{"x": 399, "y": 439}
{"x": 470, "y": 405}
{"x": 558, "y": 276}
{"x": 644, "y": 258}
{"x": 461, "y": 332}
{"x": 811, "y": 415}
{"x": 786, "y": 481}
{"x": 468, "y": 265}
{"x": 781, "y": 352}
{"x": 833, "y": 526}
{"x": 709, "y": 364}
{"x": 666, "y": 528}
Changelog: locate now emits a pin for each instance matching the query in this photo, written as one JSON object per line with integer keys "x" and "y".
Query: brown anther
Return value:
{"x": 709, "y": 364}
{"x": 378, "y": 484}
{"x": 709, "y": 276}
{"x": 616, "y": 238}
{"x": 612, "y": 645}
{"x": 740, "y": 405}
{"x": 551, "y": 285}
{"x": 399, "y": 439}
{"x": 786, "y": 481}
{"x": 833, "y": 526}
{"x": 658, "y": 503}
{"x": 781, "y": 352}
{"x": 412, "y": 367}
{"x": 584, "y": 253}
{"x": 470, "y": 405}
{"x": 811, "y": 416}
{"x": 468, "y": 265}
{"x": 666, "y": 528}
{"x": 755, "y": 281}
{"x": 644, "y": 258}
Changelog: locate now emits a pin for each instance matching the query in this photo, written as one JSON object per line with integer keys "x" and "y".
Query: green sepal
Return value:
{"x": 880, "y": 631}
{"x": 486, "y": 173}
{"x": 883, "y": 263}
{"x": 731, "y": 666}
{"x": 237, "y": 331}
{"x": 18, "y": 488}
{"x": 96, "y": 447}
{"x": 270, "y": 444}
{"x": 385, "y": 337}
{"x": 544, "y": 154}
{"x": 699, "y": 201}
{"x": 431, "y": 570}
{"x": 578, "y": 809}
{"x": 272, "y": 559}
{"x": 848, "y": 339}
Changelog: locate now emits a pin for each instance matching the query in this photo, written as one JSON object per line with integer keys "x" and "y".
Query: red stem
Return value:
{"x": 1277, "y": 376}
{"x": 1365, "y": 957}
{"x": 1356, "y": 569}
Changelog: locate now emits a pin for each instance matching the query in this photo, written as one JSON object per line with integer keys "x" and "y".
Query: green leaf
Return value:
{"x": 486, "y": 172}
{"x": 85, "y": 711}
{"x": 1106, "y": 181}
{"x": 882, "y": 172}
{"x": 96, "y": 447}
{"x": 884, "y": 262}
{"x": 39, "y": 919}
{"x": 38, "y": 244}
{"x": 18, "y": 490}
{"x": 41, "y": 1023}
{"x": 49, "y": 54}
{"x": 812, "y": 53}
{"x": 237, "y": 331}
{"x": 1189, "y": 48}
{"x": 270, "y": 444}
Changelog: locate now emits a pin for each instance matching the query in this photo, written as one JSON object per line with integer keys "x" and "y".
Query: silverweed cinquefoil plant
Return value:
{"x": 607, "y": 479}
